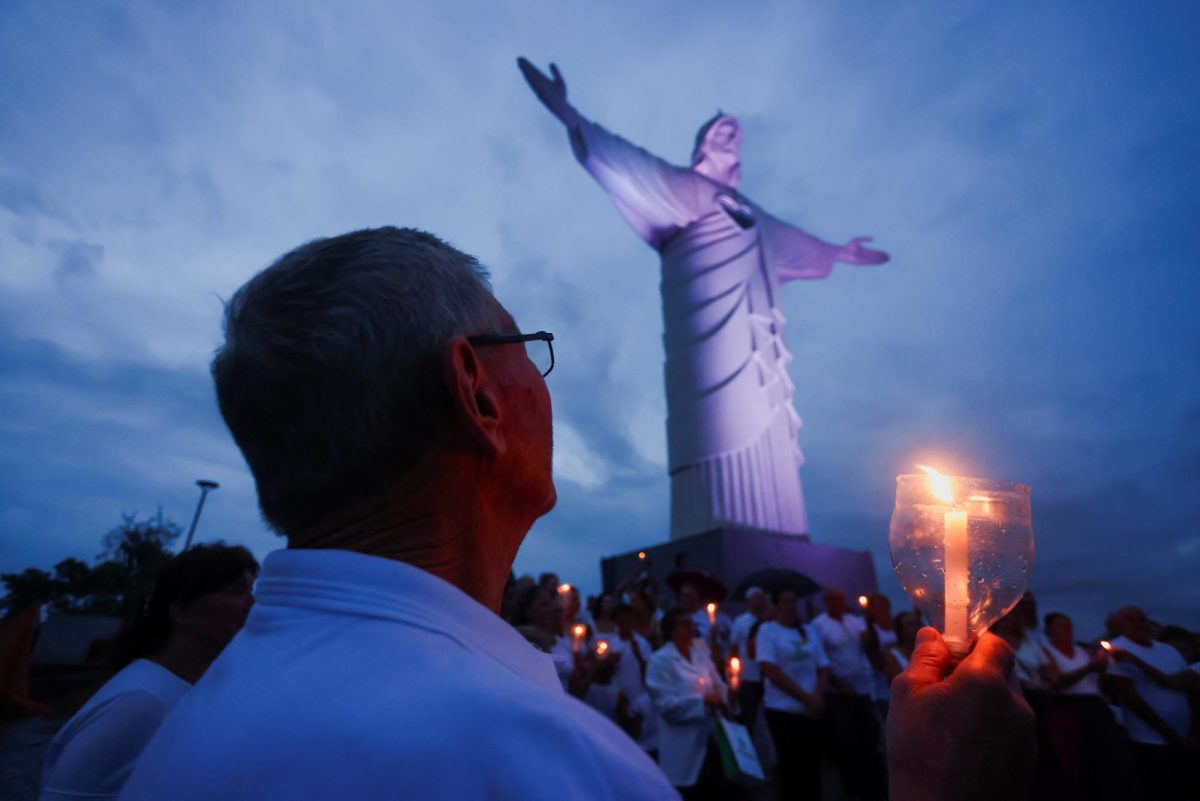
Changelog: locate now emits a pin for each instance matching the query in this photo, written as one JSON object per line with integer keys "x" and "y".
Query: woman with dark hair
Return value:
{"x": 199, "y": 602}
{"x": 795, "y": 671}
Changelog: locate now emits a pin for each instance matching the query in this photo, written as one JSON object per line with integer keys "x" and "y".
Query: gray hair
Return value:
{"x": 329, "y": 378}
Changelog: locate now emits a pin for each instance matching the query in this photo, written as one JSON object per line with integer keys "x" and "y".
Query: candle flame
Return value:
{"x": 711, "y": 608}
{"x": 939, "y": 485}
{"x": 1106, "y": 645}
{"x": 735, "y": 664}
{"x": 641, "y": 554}
{"x": 601, "y": 648}
{"x": 579, "y": 629}
{"x": 863, "y": 601}
{"x": 562, "y": 588}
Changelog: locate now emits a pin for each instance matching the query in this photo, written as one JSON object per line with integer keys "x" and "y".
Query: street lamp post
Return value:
{"x": 206, "y": 487}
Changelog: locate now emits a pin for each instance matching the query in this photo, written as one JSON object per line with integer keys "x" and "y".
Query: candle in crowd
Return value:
{"x": 601, "y": 647}
{"x": 641, "y": 554}
{"x": 735, "y": 673}
{"x": 712, "y": 613}
{"x": 577, "y": 637}
{"x": 563, "y": 589}
{"x": 1106, "y": 645}
{"x": 863, "y": 601}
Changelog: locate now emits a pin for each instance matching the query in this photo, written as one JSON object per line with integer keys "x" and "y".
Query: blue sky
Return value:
{"x": 1033, "y": 168}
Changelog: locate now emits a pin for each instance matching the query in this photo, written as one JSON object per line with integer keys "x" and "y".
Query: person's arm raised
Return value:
{"x": 962, "y": 732}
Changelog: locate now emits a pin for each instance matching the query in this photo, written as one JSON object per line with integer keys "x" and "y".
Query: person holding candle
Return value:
{"x": 959, "y": 730}
{"x": 742, "y": 638}
{"x": 1157, "y": 718}
{"x": 795, "y": 670}
{"x": 687, "y": 690}
{"x": 1082, "y": 748}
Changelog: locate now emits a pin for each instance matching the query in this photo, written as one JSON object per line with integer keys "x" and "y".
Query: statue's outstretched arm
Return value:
{"x": 797, "y": 254}
{"x": 654, "y": 197}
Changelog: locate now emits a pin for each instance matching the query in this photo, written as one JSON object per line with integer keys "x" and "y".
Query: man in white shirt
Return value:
{"x": 399, "y": 432}
{"x": 750, "y": 693}
{"x": 1157, "y": 718}
{"x": 853, "y": 728}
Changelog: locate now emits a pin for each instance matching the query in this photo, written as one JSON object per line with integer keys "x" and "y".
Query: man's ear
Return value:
{"x": 474, "y": 403}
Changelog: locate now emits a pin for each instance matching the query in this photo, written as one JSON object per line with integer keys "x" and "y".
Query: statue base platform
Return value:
{"x": 732, "y": 554}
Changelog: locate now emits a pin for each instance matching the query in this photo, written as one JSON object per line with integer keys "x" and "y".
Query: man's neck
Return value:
{"x": 445, "y": 533}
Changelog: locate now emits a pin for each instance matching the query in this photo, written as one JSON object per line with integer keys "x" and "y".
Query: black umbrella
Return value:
{"x": 775, "y": 579}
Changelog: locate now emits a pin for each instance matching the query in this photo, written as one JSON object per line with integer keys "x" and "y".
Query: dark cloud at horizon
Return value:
{"x": 1034, "y": 171}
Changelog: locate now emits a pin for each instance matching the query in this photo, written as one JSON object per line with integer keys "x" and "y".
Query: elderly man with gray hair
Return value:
{"x": 399, "y": 431}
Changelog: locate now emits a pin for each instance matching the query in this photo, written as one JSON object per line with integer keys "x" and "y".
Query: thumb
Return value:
{"x": 930, "y": 660}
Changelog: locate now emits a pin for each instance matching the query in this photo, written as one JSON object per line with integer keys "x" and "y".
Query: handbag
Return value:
{"x": 739, "y": 760}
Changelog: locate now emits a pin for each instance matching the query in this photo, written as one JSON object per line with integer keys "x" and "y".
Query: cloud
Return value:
{"x": 1036, "y": 322}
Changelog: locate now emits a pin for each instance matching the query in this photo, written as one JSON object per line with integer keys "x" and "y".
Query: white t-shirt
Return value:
{"x": 1030, "y": 658}
{"x": 628, "y": 674}
{"x": 94, "y": 753}
{"x": 799, "y": 657}
{"x": 1171, "y": 705}
{"x": 1089, "y": 684}
{"x": 847, "y": 660}
{"x": 364, "y": 678}
{"x": 743, "y": 624}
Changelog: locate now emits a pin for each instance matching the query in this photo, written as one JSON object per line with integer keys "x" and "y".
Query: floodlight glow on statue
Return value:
{"x": 731, "y": 426}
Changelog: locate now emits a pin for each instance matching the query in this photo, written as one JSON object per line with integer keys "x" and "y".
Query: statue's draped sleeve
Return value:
{"x": 654, "y": 197}
{"x": 792, "y": 253}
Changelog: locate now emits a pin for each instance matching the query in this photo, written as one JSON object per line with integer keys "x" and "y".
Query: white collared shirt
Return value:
{"x": 365, "y": 678}
{"x": 678, "y": 687}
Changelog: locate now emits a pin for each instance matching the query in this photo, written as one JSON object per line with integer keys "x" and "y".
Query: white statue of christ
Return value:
{"x": 733, "y": 456}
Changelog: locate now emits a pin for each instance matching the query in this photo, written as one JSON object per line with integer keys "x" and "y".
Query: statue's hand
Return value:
{"x": 853, "y": 252}
{"x": 552, "y": 91}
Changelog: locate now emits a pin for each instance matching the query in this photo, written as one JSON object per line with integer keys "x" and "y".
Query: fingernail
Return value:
{"x": 927, "y": 634}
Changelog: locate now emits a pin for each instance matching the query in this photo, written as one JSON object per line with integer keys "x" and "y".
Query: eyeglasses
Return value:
{"x": 537, "y": 347}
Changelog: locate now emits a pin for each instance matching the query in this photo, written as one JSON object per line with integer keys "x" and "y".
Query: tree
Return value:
{"x": 134, "y": 552}
{"x": 30, "y": 586}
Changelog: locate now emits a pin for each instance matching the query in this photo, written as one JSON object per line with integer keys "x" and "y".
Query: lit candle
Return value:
{"x": 735, "y": 673}
{"x": 563, "y": 589}
{"x": 641, "y": 554}
{"x": 601, "y": 647}
{"x": 577, "y": 637}
{"x": 954, "y": 561}
{"x": 863, "y": 601}
{"x": 1106, "y": 645}
{"x": 712, "y": 613}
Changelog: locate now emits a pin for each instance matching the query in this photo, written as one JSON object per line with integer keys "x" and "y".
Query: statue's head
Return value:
{"x": 718, "y": 148}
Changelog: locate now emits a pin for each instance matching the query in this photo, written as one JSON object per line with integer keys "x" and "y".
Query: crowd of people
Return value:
{"x": 1116, "y": 718}
{"x": 399, "y": 430}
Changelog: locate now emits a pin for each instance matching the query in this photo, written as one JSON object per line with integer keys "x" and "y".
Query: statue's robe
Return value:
{"x": 731, "y": 427}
